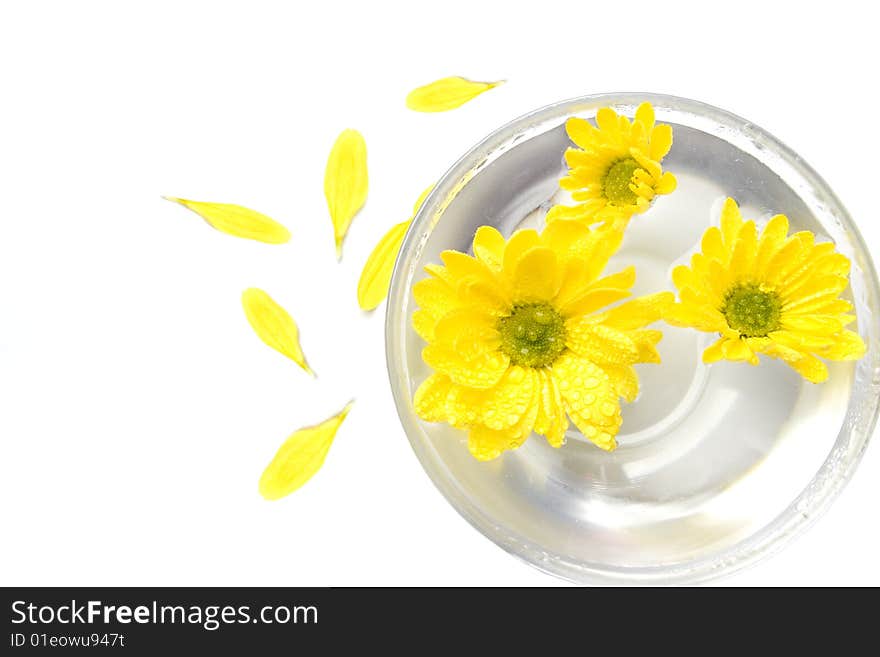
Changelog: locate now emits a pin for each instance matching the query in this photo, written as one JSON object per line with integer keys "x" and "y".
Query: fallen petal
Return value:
{"x": 376, "y": 275}
{"x": 446, "y": 94}
{"x": 273, "y": 325}
{"x": 237, "y": 220}
{"x": 300, "y": 457}
{"x": 345, "y": 182}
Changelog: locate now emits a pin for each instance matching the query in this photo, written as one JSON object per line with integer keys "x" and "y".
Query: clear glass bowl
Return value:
{"x": 717, "y": 465}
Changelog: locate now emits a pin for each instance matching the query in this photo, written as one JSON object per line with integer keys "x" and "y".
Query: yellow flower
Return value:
{"x": 775, "y": 294}
{"x": 615, "y": 173}
{"x": 518, "y": 338}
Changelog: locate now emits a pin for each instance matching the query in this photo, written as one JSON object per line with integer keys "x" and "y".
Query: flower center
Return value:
{"x": 615, "y": 184}
{"x": 752, "y": 311}
{"x": 533, "y": 335}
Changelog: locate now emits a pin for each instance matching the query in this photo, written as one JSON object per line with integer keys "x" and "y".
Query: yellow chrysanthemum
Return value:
{"x": 519, "y": 342}
{"x": 615, "y": 172}
{"x": 775, "y": 294}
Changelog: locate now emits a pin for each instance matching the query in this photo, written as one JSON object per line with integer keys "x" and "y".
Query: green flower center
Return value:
{"x": 750, "y": 310}
{"x": 615, "y": 184}
{"x": 533, "y": 335}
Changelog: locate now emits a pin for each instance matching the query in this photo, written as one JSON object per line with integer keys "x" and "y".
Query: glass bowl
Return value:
{"x": 717, "y": 466}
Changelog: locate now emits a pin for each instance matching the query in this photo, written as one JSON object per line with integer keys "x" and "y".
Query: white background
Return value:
{"x": 137, "y": 408}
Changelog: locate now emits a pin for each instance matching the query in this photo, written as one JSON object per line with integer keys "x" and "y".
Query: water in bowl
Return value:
{"x": 707, "y": 454}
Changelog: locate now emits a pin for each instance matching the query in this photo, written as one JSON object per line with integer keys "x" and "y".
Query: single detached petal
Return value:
{"x": 376, "y": 276}
{"x": 446, "y": 94}
{"x": 237, "y": 220}
{"x": 345, "y": 182}
{"x": 273, "y": 325}
{"x": 300, "y": 457}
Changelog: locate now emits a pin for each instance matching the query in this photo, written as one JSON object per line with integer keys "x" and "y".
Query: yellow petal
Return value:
{"x": 600, "y": 344}
{"x": 772, "y": 238}
{"x": 712, "y": 245}
{"x": 345, "y": 182}
{"x": 446, "y": 94}
{"x": 273, "y": 325}
{"x": 300, "y": 457}
{"x": 592, "y": 300}
{"x": 624, "y": 379}
{"x": 622, "y": 280}
{"x": 483, "y": 372}
{"x": 567, "y": 238}
{"x": 486, "y": 444}
{"x": 551, "y": 420}
{"x": 731, "y": 222}
{"x": 693, "y": 316}
{"x": 590, "y": 399}
{"x": 661, "y": 142}
{"x": 489, "y": 247}
{"x": 738, "y": 350}
{"x": 536, "y": 276}
{"x": 520, "y": 242}
{"x": 639, "y": 312}
{"x": 430, "y": 399}
{"x": 645, "y": 115}
{"x": 376, "y": 275}
{"x": 715, "y": 351}
{"x": 745, "y": 249}
{"x": 435, "y": 295}
{"x": 607, "y": 120}
{"x": 847, "y": 345}
{"x": 807, "y": 365}
{"x": 603, "y": 292}
{"x": 470, "y": 332}
{"x": 811, "y": 368}
{"x": 500, "y": 408}
{"x": 585, "y": 212}
{"x": 424, "y": 324}
{"x": 237, "y": 220}
{"x": 666, "y": 184}
{"x": 815, "y": 323}
{"x": 646, "y": 342}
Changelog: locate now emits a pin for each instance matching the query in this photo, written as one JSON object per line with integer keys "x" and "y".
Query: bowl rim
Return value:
{"x": 801, "y": 513}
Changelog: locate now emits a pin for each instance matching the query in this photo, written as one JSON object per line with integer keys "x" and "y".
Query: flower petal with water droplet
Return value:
{"x": 300, "y": 457}
{"x": 446, "y": 94}
{"x": 345, "y": 182}
{"x": 273, "y": 325}
{"x": 237, "y": 220}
